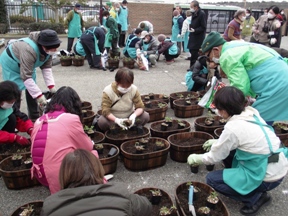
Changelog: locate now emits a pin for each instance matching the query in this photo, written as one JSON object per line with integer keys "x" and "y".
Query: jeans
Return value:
{"x": 215, "y": 180}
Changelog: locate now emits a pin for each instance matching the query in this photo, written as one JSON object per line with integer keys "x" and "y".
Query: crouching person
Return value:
{"x": 169, "y": 49}
{"x": 83, "y": 191}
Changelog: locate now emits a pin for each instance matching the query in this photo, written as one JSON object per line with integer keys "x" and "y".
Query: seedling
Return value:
{"x": 27, "y": 211}
{"x": 156, "y": 192}
{"x": 99, "y": 148}
{"x": 167, "y": 211}
{"x": 161, "y": 105}
{"x": 159, "y": 145}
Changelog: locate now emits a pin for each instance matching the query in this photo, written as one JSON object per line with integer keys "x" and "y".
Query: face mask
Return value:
{"x": 124, "y": 6}
{"x": 176, "y": 17}
{"x": 215, "y": 60}
{"x": 7, "y": 105}
{"x": 123, "y": 90}
{"x": 192, "y": 10}
{"x": 117, "y": 9}
{"x": 282, "y": 12}
{"x": 146, "y": 40}
{"x": 104, "y": 18}
{"x": 50, "y": 53}
{"x": 247, "y": 14}
{"x": 242, "y": 18}
{"x": 270, "y": 16}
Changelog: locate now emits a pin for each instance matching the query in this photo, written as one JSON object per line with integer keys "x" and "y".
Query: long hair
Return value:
{"x": 80, "y": 168}
{"x": 66, "y": 98}
{"x": 230, "y": 99}
{"x": 9, "y": 91}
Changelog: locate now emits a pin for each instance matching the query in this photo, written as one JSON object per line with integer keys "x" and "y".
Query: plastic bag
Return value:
{"x": 206, "y": 100}
{"x": 104, "y": 58}
{"x": 142, "y": 62}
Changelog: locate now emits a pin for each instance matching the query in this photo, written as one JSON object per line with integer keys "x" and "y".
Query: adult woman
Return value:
{"x": 168, "y": 48}
{"x": 255, "y": 168}
{"x": 56, "y": 133}
{"x": 129, "y": 49}
{"x": 177, "y": 28}
{"x": 120, "y": 101}
{"x": 11, "y": 117}
{"x": 234, "y": 28}
{"x": 247, "y": 26}
{"x": 267, "y": 28}
{"x": 83, "y": 191}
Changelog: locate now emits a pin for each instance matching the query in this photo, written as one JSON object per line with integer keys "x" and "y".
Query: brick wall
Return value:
{"x": 160, "y": 15}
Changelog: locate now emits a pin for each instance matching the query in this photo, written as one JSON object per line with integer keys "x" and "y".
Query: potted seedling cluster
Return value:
{"x": 204, "y": 211}
{"x": 167, "y": 211}
{"x": 212, "y": 200}
{"x": 159, "y": 145}
{"x": 89, "y": 131}
{"x": 156, "y": 196}
{"x": 139, "y": 148}
{"x": 17, "y": 160}
{"x": 99, "y": 148}
{"x": 181, "y": 125}
{"x": 27, "y": 211}
{"x": 210, "y": 119}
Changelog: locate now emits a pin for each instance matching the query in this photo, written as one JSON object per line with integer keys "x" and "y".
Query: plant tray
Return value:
{"x": 166, "y": 200}
{"x": 186, "y": 143}
{"x": 144, "y": 161}
{"x": 17, "y": 179}
{"x": 109, "y": 163}
{"x": 155, "y": 112}
{"x": 186, "y": 111}
{"x": 155, "y": 129}
{"x": 181, "y": 198}
{"x": 176, "y": 95}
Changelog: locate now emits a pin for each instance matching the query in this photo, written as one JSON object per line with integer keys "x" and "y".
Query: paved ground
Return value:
{"x": 162, "y": 79}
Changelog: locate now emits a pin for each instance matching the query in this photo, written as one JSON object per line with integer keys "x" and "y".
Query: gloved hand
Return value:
{"x": 207, "y": 145}
{"x": 273, "y": 41}
{"x": 178, "y": 36}
{"x": 66, "y": 31}
{"x": 42, "y": 102}
{"x": 119, "y": 122}
{"x": 132, "y": 118}
{"x": 138, "y": 51}
{"x": 53, "y": 90}
{"x": 192, "y": 30}
{"x": 21, "y": 140}
{"x": 195, "y": 159}
{"x": 145, "y": 53}
{"x": 30, "y": 131}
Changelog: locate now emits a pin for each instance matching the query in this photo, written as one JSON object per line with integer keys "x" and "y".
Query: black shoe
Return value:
{"x": 188, "y": 58}
{"x": 265, "y": 198}
{"x": 95, "y": 68}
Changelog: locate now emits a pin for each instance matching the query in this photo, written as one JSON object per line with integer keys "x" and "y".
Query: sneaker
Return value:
{"x": 264, "y": 199}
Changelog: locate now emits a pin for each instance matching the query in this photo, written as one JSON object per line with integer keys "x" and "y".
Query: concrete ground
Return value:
{"x": 162, "y": 79}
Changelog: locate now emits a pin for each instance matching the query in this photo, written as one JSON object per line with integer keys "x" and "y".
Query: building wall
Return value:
{"x": 160, "y": 15}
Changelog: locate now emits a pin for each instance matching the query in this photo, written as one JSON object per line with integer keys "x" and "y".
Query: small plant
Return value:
{"x": 167, "y": 211}
{"x": 188, "y": 102}
{"x": 151, "y": 96}
{"x": 164, "y": 126}
{"x": 139, "y": 148}
{"x": 156, "y": 192}
{"x": 180, "y": 95}
{"x": 209, "y": 119}
{"x": 213, "y": 197}
{"x": 65, "y": 57}
{"x": 88, "y": 129}
{"x": 168, "y": 119}
{"x": 146, "y": 98}
{"x": 27, "y": 211}
{"x": 127, "y": 59}
{"x": 222, "y": 121}
{"x": 78, "y": 57}
{"x": 99, "y": 148}
{"x": 181, "y": 125}
{"x": 17, "y": 156}
{"x": 159, "y": 144}
{"x": 161, "y": 105}
{"x": 204, "y": 210}
{"x": 114, "y": 58}
{"x": 144, "y": 141}
{"x": 127, "y": 123}
{"x": 165, "y": 96}
{"x": 28, "y": 163}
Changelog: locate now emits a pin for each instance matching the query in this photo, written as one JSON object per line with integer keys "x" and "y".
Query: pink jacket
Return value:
{"x": 54, "y": 135}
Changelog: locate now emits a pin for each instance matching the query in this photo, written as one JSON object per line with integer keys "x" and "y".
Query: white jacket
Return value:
{"x": 185, "y": 26}
{"x": 248, "y": 137}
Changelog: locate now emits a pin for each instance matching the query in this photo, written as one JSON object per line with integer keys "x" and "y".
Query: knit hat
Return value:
{"x": 48, "y": 37}
{"x": 77, "y": 5}
{"x": 109, "y": 4}
{"x": 213, "y": 39}
{"x": 143, "y": 34}
{"x": 161, "y": 37}
{"x": 175, "y": 13}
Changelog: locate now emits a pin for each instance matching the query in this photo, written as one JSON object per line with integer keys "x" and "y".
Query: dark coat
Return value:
{"x": 104, "y": 199}
{"x": 199, "y": 25}
{"x": 164, "y": 46}
{"x": 88, "y": 37}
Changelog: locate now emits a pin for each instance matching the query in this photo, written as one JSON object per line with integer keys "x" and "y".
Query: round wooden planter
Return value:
{"x": 36, "y": 204}
{"x": 176, "y": 95}
{"x": 183, "y": 208}
{"x": 129, "y": 64}
{"x": 78, "y": 61}
{"x": 124, "y": 136}
{"x": 186, "y": 111}
{"x": 110, "y": 163}
{"x": 180, "y": 153}
{"x": 145, "y": 161}
{"x": 98, "y": 137}
{"x": 282, "y": 136}
{"x": 23, "y": 149}
{"x": 217, "y": 132}
{"x": 114, "y": 54}
{"x": 66, "y": 62}
{"x": 113, "y": 63}
{"x": 86, "y": 105}
{"x": 199, "y": 125}
{"x": 166, "y": 200}
{"x": 17, "y": 179}
{"x": 157, "y": 113}
{"x": 159, "y": 97}
{"x": 155, "y": 129}
{"x": 89, "y": 119}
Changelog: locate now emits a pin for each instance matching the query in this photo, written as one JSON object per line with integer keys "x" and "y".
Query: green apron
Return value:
{"x": 74, "y": 28}
{"x": 175, "y": 30}
{"x": 131, "y": 50}
{"x": 97, "y": 51}
{"x": 108, "y": 41}
{"x": 11, "y": 68}
{"x": 145, "y": 47}
{"x": 4, "y": 114}
{"x": 79, "y": 48}
{"x": 123, "y": 19}
{"x": 186, "y": 39}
